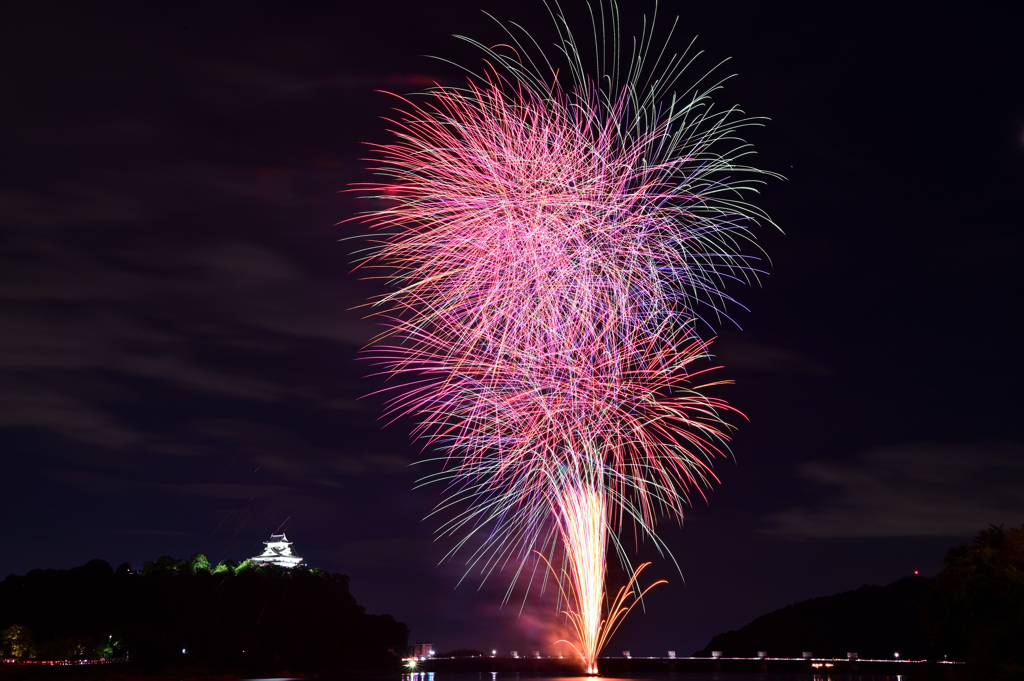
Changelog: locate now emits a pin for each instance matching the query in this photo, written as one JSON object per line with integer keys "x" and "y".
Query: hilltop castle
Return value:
{"x": 278, "y": 552}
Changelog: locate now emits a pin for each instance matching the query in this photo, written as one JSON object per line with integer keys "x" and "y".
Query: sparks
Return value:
{"x": 555, "y": 246}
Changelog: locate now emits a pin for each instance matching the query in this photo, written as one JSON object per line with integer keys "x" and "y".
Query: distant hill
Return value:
{"x": 872, "y": 621}
{"x": 255, "y": 619}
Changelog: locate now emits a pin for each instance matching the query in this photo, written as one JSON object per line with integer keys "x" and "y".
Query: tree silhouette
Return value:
{"x": 975, "y": 610}
{"x": 259, "y": 618}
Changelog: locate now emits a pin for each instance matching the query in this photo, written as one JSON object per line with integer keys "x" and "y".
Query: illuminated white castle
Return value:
{"x": 278, "y": 552}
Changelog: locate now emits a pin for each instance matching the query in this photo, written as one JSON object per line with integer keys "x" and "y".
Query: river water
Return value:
{"x": 669, "y": 676}
{"x": 516, "y": 676}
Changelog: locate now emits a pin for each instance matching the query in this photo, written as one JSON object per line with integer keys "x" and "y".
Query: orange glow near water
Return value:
{"x": 584, "y": 529}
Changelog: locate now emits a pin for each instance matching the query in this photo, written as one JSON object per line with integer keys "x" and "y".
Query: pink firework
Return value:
{"x": 554, "y": 249}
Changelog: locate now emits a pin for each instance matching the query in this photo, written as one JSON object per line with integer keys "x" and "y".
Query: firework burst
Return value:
{"x": 556, "y": 242}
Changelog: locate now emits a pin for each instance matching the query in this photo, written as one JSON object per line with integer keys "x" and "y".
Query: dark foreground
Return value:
{"x": 507, "y": 669}
{"x": 147, "y": 672}
{"x": 121, "y": 672}
{"x": 654, "y": 667}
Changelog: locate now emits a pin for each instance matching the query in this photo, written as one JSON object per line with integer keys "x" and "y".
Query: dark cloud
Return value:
{"x": 383, "y": 552}
{"x": 742, "y": 355}
{"x": 104, "y": 484}
{"x": 35, "y": 214}
{"x": 154, "y": 533}
{"x": 945, "y": 489}
{"x": 289, "y": 455}
{"x": 102, "y": 313}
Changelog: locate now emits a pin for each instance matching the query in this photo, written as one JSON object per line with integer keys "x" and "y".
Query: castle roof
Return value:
{"x": 278, "y": 551}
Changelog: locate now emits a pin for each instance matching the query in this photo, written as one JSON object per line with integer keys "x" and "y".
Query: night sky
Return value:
{"x": 178, "y": 349}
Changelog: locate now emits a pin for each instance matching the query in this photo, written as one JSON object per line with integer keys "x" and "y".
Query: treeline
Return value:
{"x": 972, "y": 611}
{"x": 975, "y": 609}
{"x": 243, "y": 616}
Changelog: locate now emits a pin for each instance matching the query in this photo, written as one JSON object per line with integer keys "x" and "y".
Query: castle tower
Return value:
{"x": 278, "y": 552}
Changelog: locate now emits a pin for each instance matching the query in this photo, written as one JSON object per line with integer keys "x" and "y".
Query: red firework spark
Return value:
{"x": 553, "y": 251}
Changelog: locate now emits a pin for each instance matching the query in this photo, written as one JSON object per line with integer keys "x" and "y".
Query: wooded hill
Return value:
{"x": 872, "y": 621}
{"x": 972, "y": 611}
{"x": 185, "y": 612}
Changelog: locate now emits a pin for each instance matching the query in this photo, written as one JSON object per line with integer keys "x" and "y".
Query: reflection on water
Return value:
{"x": 670, "y": 676}
{"x": 427, "y": 676}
